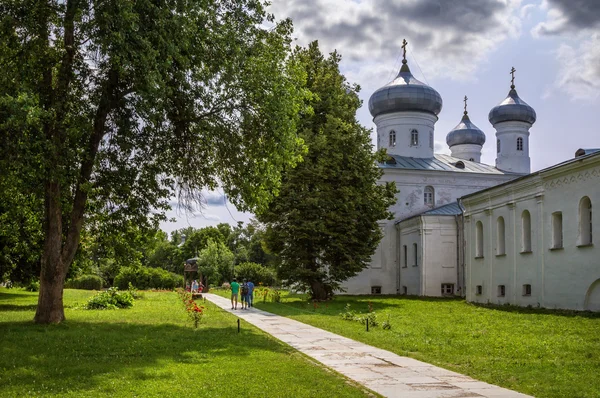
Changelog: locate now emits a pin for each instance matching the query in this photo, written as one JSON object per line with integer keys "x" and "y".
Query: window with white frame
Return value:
{"x": 479, "y": 289}
{"x": 527, "y": 290}
{"x": 500, "y": 238}
{"x": 447, "y": 289}
{"x": 526, "y": 232}
{"x": 585, "y": 221}
{"x": 392, "y": 139}
{"x": 375, "y": 289}
{"x": 416, "y": 253}
{"x": 479, "y": 239}
{"x": 557, "y": 234}
{"x": 429, "y": 196}
{"x": 414, "y": 138}
{"x": 519, "y": 144}
{"x": 405, "y": 250}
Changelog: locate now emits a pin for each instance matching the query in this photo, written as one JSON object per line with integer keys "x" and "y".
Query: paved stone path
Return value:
{"x": 381, "y": 371}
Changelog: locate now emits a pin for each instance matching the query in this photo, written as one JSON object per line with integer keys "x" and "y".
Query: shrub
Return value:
{"x": 86, "y": 282}
{"x": 147, "y": 278}
{"x": 110, "y": 299}
{"x": 33, "y": 286}
{"x": 256, "y": 273}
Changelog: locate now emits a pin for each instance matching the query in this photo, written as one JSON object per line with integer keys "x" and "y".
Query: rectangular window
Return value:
{"x": 447, "y": 289}
{"x": 404, "y": 290}
{"x": 526, "y": 290}
{"x": 431, "y": 139}
{"x": 557, "y": 234}
{"x": 479, "y": 289}
{"x": 501, "y": 290}
{"x": 414, "y": 138}
{"x": 375, "y": 289}
{"x": 405, "y": 249}
{"x": 416, "y": 263}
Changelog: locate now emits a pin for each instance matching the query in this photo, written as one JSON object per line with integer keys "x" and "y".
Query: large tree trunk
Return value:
{"x": 318, "y": 290}
{"x": 50, "y": 307}
{"x": 50, "y": 300}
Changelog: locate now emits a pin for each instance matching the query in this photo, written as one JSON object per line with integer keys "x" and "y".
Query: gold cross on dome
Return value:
{"x": 512, "y": 81}
{"x": 404, "y": 44}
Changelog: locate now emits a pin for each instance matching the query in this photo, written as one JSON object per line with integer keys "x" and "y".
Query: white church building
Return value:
{"x": 494, "y": 234}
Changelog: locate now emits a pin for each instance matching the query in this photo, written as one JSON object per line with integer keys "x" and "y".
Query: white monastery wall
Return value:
{"x": 411, "y": 264}
{"x": 448, "y": 187}
{"x": 440, "y": 255}
{"x": 567, "y": 276}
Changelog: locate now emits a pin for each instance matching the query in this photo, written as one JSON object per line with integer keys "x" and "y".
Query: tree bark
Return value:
{"x": 319, "y": 290}
{"x": 50, "y": 300}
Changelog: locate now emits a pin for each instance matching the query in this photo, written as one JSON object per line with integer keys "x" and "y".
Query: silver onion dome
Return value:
{"x": 465, "y": 133}
{"x": 513, "y": 108}
{"x": 405, "y": 93}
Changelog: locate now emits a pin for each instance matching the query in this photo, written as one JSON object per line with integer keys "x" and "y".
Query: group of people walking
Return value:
{"x": 247, "y": 293}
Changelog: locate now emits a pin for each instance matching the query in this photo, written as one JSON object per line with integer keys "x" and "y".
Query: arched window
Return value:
{"x": 431, "y": 139}
{"x": 500, "y": 242}
{"x": 525, "y": 231}
{"x": 519, "y": 144}
{"x": 416, "y": 254}
{"x": 479, "y": 239}
{"x": 414, "y": 138}
{"x": 585, "y": 221}
{"x": 429, "y": 196}
{"x": 392, "y": 139}
{"x": 498, "y": 145}
{"x": 557, "y": 235}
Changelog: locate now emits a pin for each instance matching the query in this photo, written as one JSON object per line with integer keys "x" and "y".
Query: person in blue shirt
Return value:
{"x": 250, "y": 293}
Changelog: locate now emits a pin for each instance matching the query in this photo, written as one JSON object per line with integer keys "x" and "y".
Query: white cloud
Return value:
{"x": 575, "y": 23}
{"x": 368, "y": 34}
{"x": 579, "y": 73}
{"x": 527, "y": 10}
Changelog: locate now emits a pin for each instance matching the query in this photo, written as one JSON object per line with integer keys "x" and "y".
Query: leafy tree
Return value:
{"x": 323, "y": 225}
{"x": 216, "y": 262}
{"x": 198, "y": 240}
{"x": 110, "y": 108}
{"x": 256, "y": 273}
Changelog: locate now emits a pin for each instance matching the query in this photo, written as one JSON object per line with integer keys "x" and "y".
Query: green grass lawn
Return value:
{"x": 149, "y": 350}
{"x": 537, "y": 352}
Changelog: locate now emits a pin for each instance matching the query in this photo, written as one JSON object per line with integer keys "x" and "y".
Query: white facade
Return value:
{"x": 512, "y": 147}
{"x": 544, "y": 255}
{"x": 470, "y": 152}
{"x": 384, "y": 271}
{"x": 406, "y": 133}
{"x": 429, "y": 255}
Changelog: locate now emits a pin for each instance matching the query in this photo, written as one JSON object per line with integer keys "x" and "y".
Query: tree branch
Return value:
{"x": 108, "y": 102}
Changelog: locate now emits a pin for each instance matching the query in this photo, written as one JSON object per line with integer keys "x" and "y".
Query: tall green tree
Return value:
{"x": 215, "y": 262}
{"x": 112, "y": 107}
{"x": 323, "y": 225}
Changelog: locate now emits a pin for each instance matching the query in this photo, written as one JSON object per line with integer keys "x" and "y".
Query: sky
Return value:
{"x": 459, "y": 47}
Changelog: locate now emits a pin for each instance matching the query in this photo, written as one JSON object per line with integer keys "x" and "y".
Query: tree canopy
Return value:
{"x": 108, "y": 109}
{"x": 323, "y": 226}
